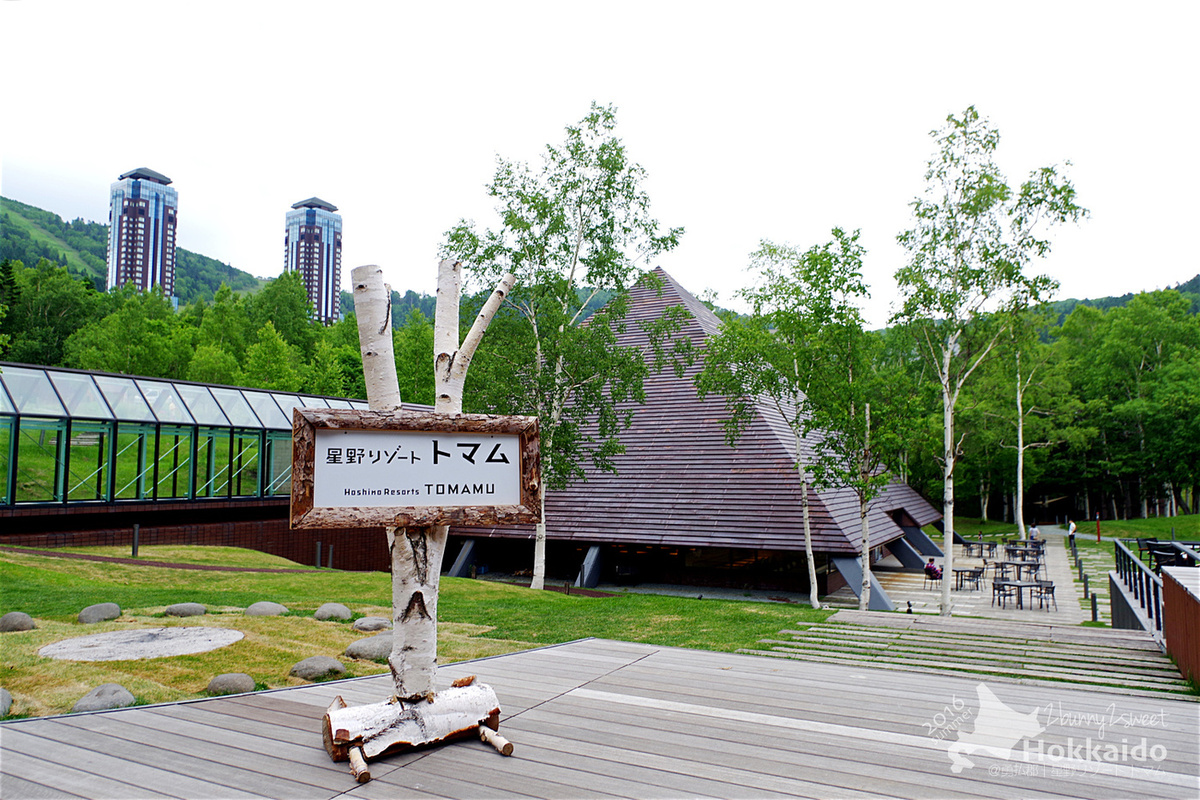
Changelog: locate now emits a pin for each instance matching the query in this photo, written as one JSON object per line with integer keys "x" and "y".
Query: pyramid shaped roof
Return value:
{"x": 679, "y": 483}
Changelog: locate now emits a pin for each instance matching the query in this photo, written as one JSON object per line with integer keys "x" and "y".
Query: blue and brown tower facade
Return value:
{"x": 141, "y": 231}
{"x": 313, "y": 246}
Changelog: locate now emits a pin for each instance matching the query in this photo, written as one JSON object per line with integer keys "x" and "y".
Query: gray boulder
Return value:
{"x": 372, "y": 624}
{"x": 5, "y": 702}
{"x": 110, "y": 695}
{"x": 266, "y": 609}
{"x": 185, "y": 610}
{"x": 332, "y": 611}
{"x": 231, "y": 683}
{"x": 317, "y": 667}
{"x": 372, "y": 648}
{"x": 16, "y": 621}
{"x": 100, "y": 612}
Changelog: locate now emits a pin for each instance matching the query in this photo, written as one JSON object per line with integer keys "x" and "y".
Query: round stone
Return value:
{"x": 110, "y": 695}
{"x": 16, "y": 621}
{"x": 141, "y": 643}
{"x": 333, "y": 611}
{"x": 317, "y": 667}
{"x": 265, "y": 608}
{"x": 100, "y": 612}
{"x": 231, "y": 683}
{"x": 373, "y": 648}
{"x": 185, "y": 610}
{"x": 372, "y": 624}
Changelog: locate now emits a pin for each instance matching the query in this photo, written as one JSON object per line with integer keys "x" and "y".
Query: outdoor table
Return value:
{"x": 1021, "y": 566}
{"x": 972, "y": 548}
{"x": 961, "y": 573}
{"x": 1021, "y": 586}
{"x": 1023, "y": 552}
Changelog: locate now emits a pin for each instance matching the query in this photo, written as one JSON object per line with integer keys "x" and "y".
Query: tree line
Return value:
{"x": 982, "y": 386}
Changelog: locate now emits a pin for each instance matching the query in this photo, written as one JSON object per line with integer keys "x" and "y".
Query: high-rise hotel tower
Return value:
{"x": 141, "y": 231}
{"x": 313, "y": 245}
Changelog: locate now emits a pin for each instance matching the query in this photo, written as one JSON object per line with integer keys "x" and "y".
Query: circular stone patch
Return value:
{"x": 143, "y": 643}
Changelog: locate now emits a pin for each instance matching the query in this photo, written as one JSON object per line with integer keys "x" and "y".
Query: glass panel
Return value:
{"x": 291, "y": 401}
{"x": 135, "y": 462}
{"x": 91, "y": 445}
{"x": 268, "y": 410}
{"x": 5, "y": 406}
{"x": 164, "y": 401}
{"x": 7, "y": 428}
{"x": 236, "y": 409}
{"x": 337, "y": 403}
{"x": 124, "y": 398}
{"x": 212, "y": 462}
{"x": 361, "y": 405}
{"x": 202, "y": 405}
{"x": 40, "y": 455}
{"x": 80, "y": 394}
{"x": 174, "y": 462}
{"x": 279, "y": 447}
{"x": 246, "y": 452}
{"x": 32, "y": 392}
{"x": 313, "y": 402}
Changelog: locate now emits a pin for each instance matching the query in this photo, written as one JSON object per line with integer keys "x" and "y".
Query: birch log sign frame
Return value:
{"x": 402, "y": 469}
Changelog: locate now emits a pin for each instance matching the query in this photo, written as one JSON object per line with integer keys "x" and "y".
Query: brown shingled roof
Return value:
{"x": 679, "y": 483}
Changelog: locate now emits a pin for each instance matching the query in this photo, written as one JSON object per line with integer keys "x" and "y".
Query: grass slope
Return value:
{"x": 476, "y": 619}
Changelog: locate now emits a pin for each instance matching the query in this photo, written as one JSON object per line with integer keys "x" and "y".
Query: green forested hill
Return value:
{"x": 1189, "y": 289}
{"x": 31, "y": 234}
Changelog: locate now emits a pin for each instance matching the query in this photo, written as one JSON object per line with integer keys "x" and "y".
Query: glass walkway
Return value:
{"x": 70, "y": 436}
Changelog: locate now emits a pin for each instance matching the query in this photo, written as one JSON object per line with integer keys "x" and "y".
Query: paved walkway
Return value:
{"x": 909, "y": 588}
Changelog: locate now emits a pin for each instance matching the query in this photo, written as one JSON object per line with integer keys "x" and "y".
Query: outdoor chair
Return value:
{"x": 1002, "y": 591}
{"x": 932, "y": 581}
{"x": 1144, "y": 547}
{"x": 974, "y": 577}
{"x": 1044, "y": 590}
{"x": 1163, "y": 555}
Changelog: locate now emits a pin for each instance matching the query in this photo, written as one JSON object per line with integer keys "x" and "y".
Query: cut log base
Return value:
{"x": 392, "y": 726}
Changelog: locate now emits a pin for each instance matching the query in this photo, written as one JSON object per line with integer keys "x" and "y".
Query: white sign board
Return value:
{"x": 383, "y": 469}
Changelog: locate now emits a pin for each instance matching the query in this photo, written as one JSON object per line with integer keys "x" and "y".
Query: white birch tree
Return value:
{"x": 972, "y": 239}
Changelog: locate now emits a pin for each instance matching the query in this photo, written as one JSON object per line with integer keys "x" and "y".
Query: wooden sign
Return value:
{"x": 367, "y": 469}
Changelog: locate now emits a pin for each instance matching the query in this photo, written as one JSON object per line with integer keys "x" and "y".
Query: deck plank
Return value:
{"x": 600, "y": 719}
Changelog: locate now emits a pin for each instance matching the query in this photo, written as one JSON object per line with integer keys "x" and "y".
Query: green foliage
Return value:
{"x": 50, "y": 304}
{"x": 412, "y": 344}
{"x": 272, "y": 363}
{"x": 284, "y": 303}
{"x": 142, "y": 337}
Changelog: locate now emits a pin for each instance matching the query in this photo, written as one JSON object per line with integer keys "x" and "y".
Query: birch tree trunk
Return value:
{"x": 864, "y": 597}
{"x": 813, "y": 592}
{"x": 949, "y": 451}
{"x": 1019, "y": 502}
{"x": 417, "y": 553}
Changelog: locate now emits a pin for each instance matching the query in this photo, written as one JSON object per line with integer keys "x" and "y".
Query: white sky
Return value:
{"x": 757, "y": 120}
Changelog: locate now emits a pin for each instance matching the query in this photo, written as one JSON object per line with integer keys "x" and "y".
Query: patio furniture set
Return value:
{"x": 1020, "y": 569}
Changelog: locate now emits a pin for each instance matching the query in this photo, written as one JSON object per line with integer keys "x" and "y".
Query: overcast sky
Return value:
{"x": 754, "y": 120}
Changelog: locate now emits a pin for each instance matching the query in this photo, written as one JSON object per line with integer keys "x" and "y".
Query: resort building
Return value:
{"x": 141, "y": 237}
{"x": 313, "y": 246}
{"x": 685, "y": 506}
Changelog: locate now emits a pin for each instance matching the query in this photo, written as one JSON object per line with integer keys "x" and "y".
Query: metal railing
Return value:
{"x": 1141, "y": 581}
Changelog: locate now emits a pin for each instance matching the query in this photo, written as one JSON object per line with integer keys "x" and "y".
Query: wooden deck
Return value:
{"x": 599, "y": 718}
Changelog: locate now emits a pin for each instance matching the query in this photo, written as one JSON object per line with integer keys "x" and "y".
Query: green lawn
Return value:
{"x": 476, "y": 618}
